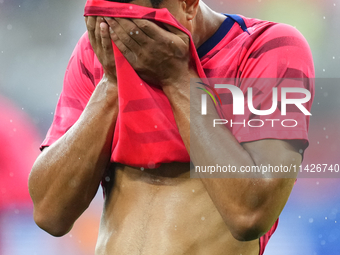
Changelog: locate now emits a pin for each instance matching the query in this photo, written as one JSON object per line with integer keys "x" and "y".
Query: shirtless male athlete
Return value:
{"x": 162, "y": 210}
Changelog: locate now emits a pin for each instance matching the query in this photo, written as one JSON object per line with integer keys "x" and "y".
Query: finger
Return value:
{"x": 160, "y": 34}
{"x": 106, "y": 41}
{"x": 128, "y": 54}
{"x": 133, "y": 31}
{"x": 108, "y": 56}
{"x": 178, "y": 32}
{"x": 149, "y": 28}
{"x": 91, "y": 26}
{"x": 97, "y": 31}
{"x": 124, "y": 36}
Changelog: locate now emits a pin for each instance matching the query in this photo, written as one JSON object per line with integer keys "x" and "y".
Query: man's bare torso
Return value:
{"x": 163, "y": 211}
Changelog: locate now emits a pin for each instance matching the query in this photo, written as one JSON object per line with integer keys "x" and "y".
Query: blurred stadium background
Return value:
{"x": 36, "y": 41}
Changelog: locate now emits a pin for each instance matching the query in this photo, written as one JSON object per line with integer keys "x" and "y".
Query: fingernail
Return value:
{"x": 101, "y": 26}
{"x": 111, "y": 30}
{"x": 108, "y": 18}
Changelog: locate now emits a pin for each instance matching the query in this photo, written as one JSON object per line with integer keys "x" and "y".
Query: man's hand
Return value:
{"x": 158, "y": 56}
{"x": 99, "y": 36}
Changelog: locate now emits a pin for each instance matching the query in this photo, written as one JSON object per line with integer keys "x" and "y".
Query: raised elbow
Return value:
{"x": 54, "y": 227}
{"x": 250, "y": 227}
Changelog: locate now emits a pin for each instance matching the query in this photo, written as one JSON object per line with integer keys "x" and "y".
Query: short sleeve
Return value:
{"x": 279, "y": 58}
{"x": 80, "y": 79}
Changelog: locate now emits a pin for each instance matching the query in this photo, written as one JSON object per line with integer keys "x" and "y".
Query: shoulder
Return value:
{"x": 263, "y": 27}
{"x": 269, "y": 36}
{"x": 273, "y": 48}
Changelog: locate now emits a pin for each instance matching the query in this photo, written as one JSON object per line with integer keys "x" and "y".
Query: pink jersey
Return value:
{"x": 241, "y": 48}
{"x": 261, "y": 55}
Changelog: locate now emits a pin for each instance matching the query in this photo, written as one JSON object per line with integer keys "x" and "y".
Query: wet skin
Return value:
{"x": 163, "y": 211}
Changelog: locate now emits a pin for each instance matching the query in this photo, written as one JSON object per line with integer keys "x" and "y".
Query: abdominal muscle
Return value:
{"x": 161, "y": 212}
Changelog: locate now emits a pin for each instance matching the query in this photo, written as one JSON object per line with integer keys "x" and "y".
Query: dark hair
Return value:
{"x": 154, "y": 3}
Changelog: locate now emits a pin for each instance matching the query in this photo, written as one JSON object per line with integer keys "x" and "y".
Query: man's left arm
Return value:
{"x": 249, "y": 205}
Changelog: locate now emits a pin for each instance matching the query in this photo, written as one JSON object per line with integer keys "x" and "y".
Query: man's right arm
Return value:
{"x": 66, "y": 176}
